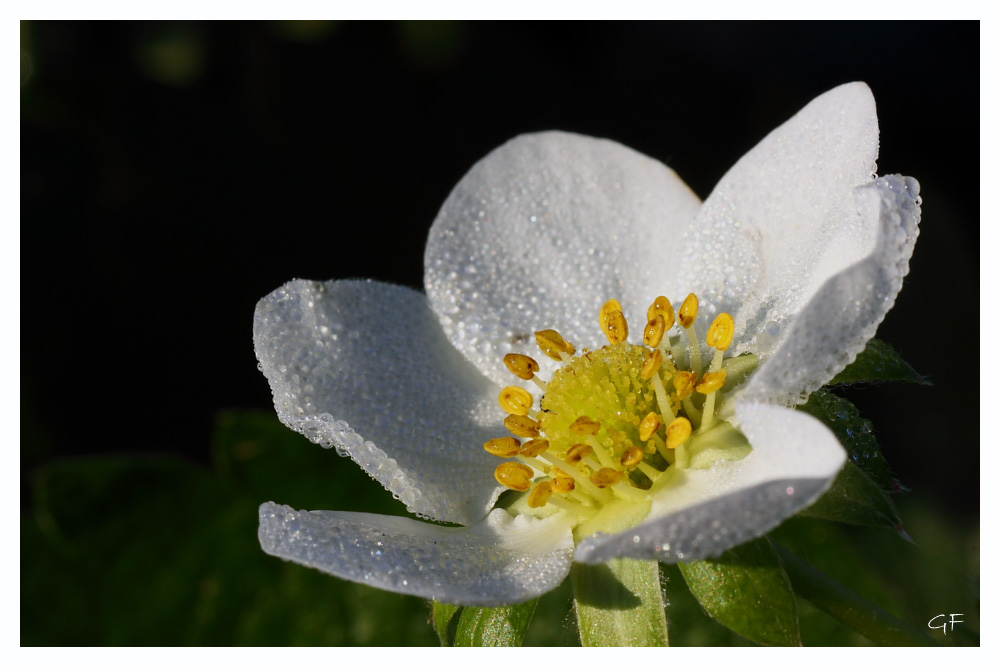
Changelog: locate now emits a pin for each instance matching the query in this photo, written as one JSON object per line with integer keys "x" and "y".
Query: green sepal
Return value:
{"x": 746, "y": 590}
{"x": 854, "y": 433}
{"x": 494, "y": 626}
{"x": 879, "y": 362}
{"x": 442, "y": 614}
{"x": 619, "y": 603}
{"x": 854, "y": 498}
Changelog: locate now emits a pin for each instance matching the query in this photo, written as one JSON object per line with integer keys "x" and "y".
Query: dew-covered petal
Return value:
{"x": 500, "y": 560}
{"x": 701, "y": 513}
{"x": 364, "y": 367}
{"x": 844, "y": 314}
{"x": 543, "y": 231}
{"x": 783, "y": 219}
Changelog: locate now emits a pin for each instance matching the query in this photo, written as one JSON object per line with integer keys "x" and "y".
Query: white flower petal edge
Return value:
{"x": 350, "y": 360}
{"x": 842, "y": 317}
{"x": 783, "y": 219}
{"x": 501, "y": 560}
{"x": 540, "y": 233}
{"x": 704, "y": 512}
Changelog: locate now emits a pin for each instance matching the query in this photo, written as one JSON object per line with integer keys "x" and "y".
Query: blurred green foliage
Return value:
{"x": 160, "y": 551}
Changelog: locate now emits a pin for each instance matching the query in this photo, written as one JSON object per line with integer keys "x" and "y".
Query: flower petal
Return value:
{"x": 844, "y": 314}
{"x": 705, "y": 512}
{"x": 540, "y": 233}
{"x": 500, "y": 560}
{"x": 783, "y": 219}
{"x": 346, "y": 355}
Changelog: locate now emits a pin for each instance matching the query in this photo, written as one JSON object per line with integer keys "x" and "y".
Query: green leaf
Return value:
{"x": 855, "y": 498}
{"x": 441, "y": 615}
{"x": 115, "y": 536}
{"x": 620, "y": 603}
{"x": 494, "y": 626}
{"x": 848, "y": 607}
{"x": 854, "y": 433}
{"x": 746, "y": 589}
{"x": 878, "y": 362}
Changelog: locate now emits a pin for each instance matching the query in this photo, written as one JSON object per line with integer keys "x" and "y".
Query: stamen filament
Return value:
{"x": 582, "y": 480}
{"x": 533, "y": 463}
{"x": 661, "y": 399}
{"x": 539, "y": 383}
{"x": 570, "y": 506}
{"x": 694, "y": 351}
{"x": 602, "y": 453}
{"x": 649, "y": 471}
{"x": 626, "y": 491}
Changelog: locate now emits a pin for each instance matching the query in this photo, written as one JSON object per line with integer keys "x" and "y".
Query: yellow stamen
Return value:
{"x": 606, "y": 477}
{"x": 533, "y": 448}
{"x": 720, "y": 332}
{"x": 521, "y": 365}
{"x": 684, "y": 383}
{"x": 632, "y": 456}
{"x": 615, "y": 327}
{"x": 689, "y": 311}
{"x": 578, "y": 452}
{"x": 610, "y": 306}
{"x": 514, "y": 475}
{"x": 540, "y": 495}
{"x": 651, "y": 366}
{"x": 503, "y": 447}
{"x": 524, "y": 427}
{"x": 584, "y": 426}
{"x": 678, "y": 432}
{"x": 562, "y": 484}
{"x": 648, "y": 426}
{"x": 653, "y": 333}
{"x": 711, "y": 382}
{"x": 553, "y": 345}
{"x": 661, "y": 306}
{"x": 515, "y": 401}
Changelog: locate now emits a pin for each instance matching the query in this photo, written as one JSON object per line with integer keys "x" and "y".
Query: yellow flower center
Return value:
{"x": 616, "y": 424}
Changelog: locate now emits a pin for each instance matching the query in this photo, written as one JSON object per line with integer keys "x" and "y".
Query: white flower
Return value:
{"x": 800, "y": 242}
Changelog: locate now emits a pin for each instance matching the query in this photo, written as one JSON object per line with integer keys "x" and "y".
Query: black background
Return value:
{"x": 173, "y": 174}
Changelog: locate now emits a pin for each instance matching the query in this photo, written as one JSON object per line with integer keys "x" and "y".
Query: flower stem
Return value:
{"x": 620, "y": 603}
{"x": 847, "y": 606}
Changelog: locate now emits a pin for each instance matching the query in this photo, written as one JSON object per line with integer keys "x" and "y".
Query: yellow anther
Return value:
{"x": 533, "y": 448}
{"x": 652, "y": 365}
{"x": 684, "y": 383}
{"x": 606, "y": 477}
{"x": 505, "y": 447}
{"x": 720, "y": 333}
{"x": 678, "y": 432}
{"x": 610, "y": 306}
{"x": 653, "y": 333}
{"x": 689, "y": 311}
{"x": 514, "y": 475}
{"x": 521, "y": 365}
{"x": 584, "y": 426}
{"x": 578, "y": 452}
{"x": 524, "y": 427}
{"x": 615, "y": 327}
{"x": 648, "y": 426}
{"x": 711, "y": 382}
{"x": 632, "y": 456}
{"x": 515, "y": 401}
{"x": 551, "y": 343}
{"x": 540, "y": 494}
{"x": 661, "y": 306}
{"x": 562, "y": 484}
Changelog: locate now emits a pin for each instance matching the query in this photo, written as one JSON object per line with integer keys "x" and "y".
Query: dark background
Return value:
{"x": 172, "y": 174}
